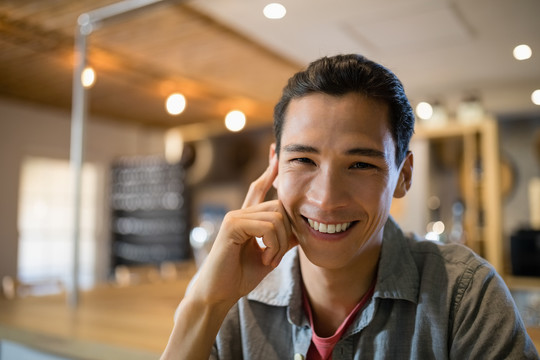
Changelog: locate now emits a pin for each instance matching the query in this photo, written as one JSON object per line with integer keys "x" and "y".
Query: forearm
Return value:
{"x": 195, "y": 330}
{"x": 235, "y": 266}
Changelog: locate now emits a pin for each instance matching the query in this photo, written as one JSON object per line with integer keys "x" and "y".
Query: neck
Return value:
{"x": 333, "y": 293}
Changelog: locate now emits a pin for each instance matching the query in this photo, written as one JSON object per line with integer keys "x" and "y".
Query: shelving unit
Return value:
{"x": 527, "y": 283}
{"x": 479, "y": 169}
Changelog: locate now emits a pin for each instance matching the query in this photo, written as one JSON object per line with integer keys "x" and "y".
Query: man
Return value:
{"x": 355, "y": 286}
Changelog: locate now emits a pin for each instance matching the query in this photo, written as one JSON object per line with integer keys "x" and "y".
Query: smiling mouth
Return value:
{"x": 328, "y": 228}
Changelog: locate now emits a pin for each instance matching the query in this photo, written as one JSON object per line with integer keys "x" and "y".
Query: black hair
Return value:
{"x": 342, "y": 74}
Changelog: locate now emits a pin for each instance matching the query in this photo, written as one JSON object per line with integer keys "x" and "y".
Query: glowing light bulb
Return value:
{"x": 235, "y": 120}
{"x": 535, "y": 97}
{"x": 176, "y": 103}
{"x": 522, "y": 52}
{"x": 88, "y": 77}
{"x": 424, "y": 110}
{"x": 274, "y": 11}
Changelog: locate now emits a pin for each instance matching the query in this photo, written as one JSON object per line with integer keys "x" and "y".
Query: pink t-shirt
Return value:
{"x": 321, "y": 347}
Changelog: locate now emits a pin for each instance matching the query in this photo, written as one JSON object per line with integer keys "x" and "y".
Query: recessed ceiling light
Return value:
{"x": 522, "y": 52}
{"x": 535, "y": 97}
{"x": 274, "y": 11}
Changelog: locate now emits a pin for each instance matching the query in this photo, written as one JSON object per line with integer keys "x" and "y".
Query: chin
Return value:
{"x": 324, "y": 258}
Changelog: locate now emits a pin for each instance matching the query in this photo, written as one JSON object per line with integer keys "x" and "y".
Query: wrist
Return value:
{"x": 204, "y": 305}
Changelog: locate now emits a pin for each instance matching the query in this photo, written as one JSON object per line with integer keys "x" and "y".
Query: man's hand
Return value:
{"x": 235, "y": 266}
{"x": 236, "y": 263}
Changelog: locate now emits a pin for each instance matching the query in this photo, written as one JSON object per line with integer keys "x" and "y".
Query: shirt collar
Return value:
{"x": 283, "y": 287}
{"x": 397, "y": 275}
{"x": 282, "y": 284}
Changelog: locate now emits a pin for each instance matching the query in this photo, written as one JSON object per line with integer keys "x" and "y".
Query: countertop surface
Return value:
{"x": 111, "y": 322}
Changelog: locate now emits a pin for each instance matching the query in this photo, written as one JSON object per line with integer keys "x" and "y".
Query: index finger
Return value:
{"x": 259, "y": 188}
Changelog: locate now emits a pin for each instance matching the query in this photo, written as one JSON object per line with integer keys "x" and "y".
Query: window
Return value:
{"x": 46, "y": 223}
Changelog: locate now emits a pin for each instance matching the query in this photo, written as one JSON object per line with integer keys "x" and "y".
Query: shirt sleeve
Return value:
{"x": 228, "y": 345}
{"x": 486, "y": 323}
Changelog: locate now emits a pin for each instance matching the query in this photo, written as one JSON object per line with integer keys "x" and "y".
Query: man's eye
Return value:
{"x": 302, "y": 161}
{"x": 362, "y": 165}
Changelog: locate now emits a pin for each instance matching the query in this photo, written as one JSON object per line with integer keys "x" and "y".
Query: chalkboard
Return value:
{"x": 150, "y": 212}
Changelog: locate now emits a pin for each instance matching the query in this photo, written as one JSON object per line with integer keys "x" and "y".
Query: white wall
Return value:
{"x": 28, "y": 129}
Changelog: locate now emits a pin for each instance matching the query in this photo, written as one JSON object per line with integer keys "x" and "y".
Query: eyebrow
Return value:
{"x": 354, "y": 151}
{"x": 367, "y": 152}
{"x": 300, "y": 148}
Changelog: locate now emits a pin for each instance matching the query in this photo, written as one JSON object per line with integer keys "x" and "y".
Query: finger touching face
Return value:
{"x": 260, "y": 187}
{"x": 273, "y": 157}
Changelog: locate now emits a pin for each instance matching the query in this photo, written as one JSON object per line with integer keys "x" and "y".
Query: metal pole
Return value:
{"x": 78, "y": 119}
{"x": 114, "y": 11}
{"x": 87, "y": 23}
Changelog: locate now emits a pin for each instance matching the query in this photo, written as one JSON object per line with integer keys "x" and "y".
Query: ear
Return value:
{"x": 271, "y": 155}
{"x": 405, "y": 176}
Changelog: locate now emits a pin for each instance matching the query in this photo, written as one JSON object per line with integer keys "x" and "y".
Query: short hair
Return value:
{"x": 342, "y": 74}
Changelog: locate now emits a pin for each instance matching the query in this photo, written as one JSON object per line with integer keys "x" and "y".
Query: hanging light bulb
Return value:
{"x": 88, "y": 77}
{"x": 175, "y": 104}
{"x": 235, "y": 120}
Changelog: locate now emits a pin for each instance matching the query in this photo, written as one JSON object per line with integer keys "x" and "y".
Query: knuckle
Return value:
{"x": 269, "y": 227}
{"x": 256, "y": 185}
{"x": 277, "y": 219}
{"x": 230, "y": 216}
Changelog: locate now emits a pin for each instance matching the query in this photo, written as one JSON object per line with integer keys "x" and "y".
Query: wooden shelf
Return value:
{"x": 480, "y": 192}
{"x": 522, "y": 282}
{"x": 451, "y": 129}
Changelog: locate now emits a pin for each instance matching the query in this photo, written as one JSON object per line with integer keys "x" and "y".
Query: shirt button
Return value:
{"x": 298, "y": 357}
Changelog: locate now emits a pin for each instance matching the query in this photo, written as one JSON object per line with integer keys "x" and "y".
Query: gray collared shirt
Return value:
{"x": 431, "y": 301}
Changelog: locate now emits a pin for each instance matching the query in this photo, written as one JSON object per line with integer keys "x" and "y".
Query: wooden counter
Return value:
{"x": 116, "y": 323}
{"x": 132, "y": 322}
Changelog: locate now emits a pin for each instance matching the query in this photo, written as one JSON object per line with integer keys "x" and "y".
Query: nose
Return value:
{"x": 327, "y": 190}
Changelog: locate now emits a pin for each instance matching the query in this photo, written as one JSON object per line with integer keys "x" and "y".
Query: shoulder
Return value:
{"x": 419, "y": 267}
{"x": 423, "y": 259}
{"x": 459, "y": 264}
{"x": 453, "y": 255}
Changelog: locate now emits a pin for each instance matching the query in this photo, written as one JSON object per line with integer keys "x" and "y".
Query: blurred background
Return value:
{"x": 178, "y": 100}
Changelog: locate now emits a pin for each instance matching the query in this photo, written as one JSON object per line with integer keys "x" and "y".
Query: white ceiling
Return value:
{"x": 442, "y": 50}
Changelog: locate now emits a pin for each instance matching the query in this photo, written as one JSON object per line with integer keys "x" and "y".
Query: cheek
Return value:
{"x": 285, "y": 187}
{"x": 289, "y": 189}
{"x": 372, "y": 192}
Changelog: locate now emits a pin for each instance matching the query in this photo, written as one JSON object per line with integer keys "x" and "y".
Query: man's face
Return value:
{"x": 337, "y": 176}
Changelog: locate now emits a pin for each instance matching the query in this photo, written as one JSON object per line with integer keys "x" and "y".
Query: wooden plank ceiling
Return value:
{"x": 139, "y": 61}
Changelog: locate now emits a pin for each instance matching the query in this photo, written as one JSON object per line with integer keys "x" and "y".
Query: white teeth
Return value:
{"x": 328, "y": 228}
